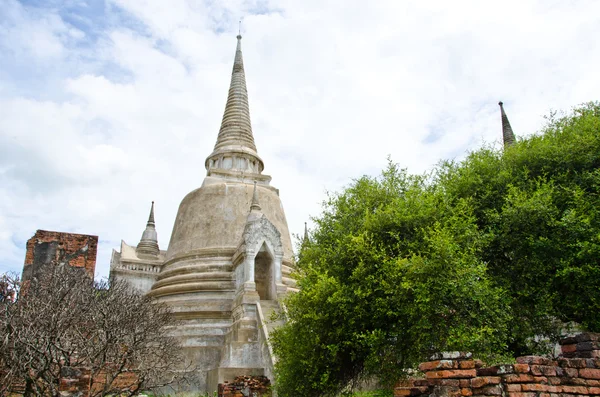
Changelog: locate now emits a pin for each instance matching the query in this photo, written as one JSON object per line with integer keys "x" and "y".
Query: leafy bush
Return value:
{"x": 491, "y": 254}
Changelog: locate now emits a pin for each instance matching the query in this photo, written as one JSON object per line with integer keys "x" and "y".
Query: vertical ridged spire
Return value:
{"x": 235, "y": 127}
{"x": 255, "y": 206}
{"x": 507, "y": 133}
{"x": 148, "y": 245}
{"x": 235, "y": 149}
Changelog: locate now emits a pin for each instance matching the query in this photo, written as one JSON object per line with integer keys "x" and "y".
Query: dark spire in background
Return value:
{"x": 507, "y": 133}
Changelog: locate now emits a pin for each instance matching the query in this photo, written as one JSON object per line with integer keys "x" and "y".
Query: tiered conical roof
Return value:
{"x": 148, "y": 245}
{"x": 235, "y": 136}
{"x": 507, "y": 133}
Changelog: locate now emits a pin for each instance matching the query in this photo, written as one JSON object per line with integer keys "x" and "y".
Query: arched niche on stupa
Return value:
{"x": 264, "y": 274}
{"x": 259, "y": 258}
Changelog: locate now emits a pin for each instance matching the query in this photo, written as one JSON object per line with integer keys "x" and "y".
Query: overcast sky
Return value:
{"x": 106, "y": 105}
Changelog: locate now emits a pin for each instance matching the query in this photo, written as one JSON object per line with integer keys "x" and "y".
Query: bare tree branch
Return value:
{"x": 63, "y": 319}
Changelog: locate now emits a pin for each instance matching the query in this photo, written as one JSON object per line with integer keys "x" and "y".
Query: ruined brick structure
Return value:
{"x": 256, "y": 386}
{"x": 77, "y": 250}
{"x": 79, "y": 382}
{"x": 575, "y": 373}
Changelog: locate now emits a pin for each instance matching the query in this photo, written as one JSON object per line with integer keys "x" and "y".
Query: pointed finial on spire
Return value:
{"x": 255, "y": 206}
{"x": 507, "y": 133}
{"x": 151, "y": 217}
{"x": 240, "y": 29}
{"x": 148, "y": 245}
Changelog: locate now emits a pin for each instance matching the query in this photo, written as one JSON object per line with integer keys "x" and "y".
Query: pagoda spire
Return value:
{"x": 235, "y": 149}
{"x": 507, "y": 133}
{"x": 255, "y": 206}
{"x": 148, "y": 245}
{"x": 305, "y": 240}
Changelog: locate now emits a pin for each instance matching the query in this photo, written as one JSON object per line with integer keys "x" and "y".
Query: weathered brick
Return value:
{"x": 518, "y": 378}
{"x": 571, "y": 372}
{"x": 445, "y": 382}
{"x": 585, "y": 346}
{"x": 538, "y": 387}
{"x": 487, "y": 371}
{"x": 546, "y": 370}
{"x": 491, "y": 390}
{"x": 452, "y": 373}
{"x": 521, "y": 368}
{"x": 429, "y": 365}
{"x": 570, "y": 348}
{"x": 564, "y": 362}
{"x": 484, "y": 380}
{"x": 533, "y": 360}
{"x": 592, "y": 362}
{"x": 575, "y": 381}
{"x": 589, "y": 373}
{"x": 513, "y": 387}
{"x": 590, "y": 354}
{"x": 554, "y": 380}
{"x": 573, "y": 389}
{"x": 583, "y": 354}
{"x": 466, "y": 364}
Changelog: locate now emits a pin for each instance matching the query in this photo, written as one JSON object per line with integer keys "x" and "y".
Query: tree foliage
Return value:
{"x": 63, "y": 319}
{"x": 492, "y": 254}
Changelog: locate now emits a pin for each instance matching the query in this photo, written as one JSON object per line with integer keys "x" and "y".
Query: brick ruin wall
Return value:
{"x": 575, "y": 373}
{"x": 242, "y": 386}
{"x": 78, "y": 382}
{"x": 77, "y": 250}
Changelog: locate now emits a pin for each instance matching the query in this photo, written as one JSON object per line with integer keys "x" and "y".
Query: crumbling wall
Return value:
{"x": 575, "y": 373}
{"x": 78, "y": 382}
{"x": 242, "y": 386}
{"x": 45, "y": 247}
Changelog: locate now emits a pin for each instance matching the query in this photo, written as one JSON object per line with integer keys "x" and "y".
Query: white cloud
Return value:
{"x": 128, "y": 112}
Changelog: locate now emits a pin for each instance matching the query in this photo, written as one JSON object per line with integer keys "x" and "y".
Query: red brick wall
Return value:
{"x": 78, "y": 250}
{"x": 575, "y": 373}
